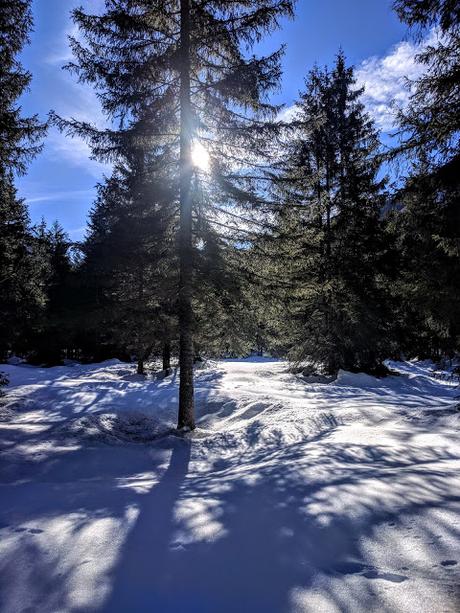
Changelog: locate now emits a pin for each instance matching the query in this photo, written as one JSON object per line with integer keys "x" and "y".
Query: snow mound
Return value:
{"x": 14, "y": 360}
{"x": 6, "y": 413}
{"x": 110, "y": 362}
{"x": 359, "y": 379}
{"x": 320, "y": 498}
{"x": 324, "y": 379}
{"x": 115, "y": 428}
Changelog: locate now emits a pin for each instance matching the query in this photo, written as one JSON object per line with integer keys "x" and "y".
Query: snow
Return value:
{"x": 291, "y": 496}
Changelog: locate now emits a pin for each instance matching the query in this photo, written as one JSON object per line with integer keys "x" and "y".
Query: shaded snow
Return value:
{"x": 290, "y": 496}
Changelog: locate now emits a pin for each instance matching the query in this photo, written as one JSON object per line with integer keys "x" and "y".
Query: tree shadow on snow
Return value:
{"x": 277, "y": 534}
{"x": 253, "y": 532}
{"x": 144, "y": 567}
{"x": 248, "y": 533}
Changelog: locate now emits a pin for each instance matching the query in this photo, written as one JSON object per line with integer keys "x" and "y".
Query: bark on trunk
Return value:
{"x": 141, "y": 361}
{"x": 166, "y": 356}
{"x": 186, "y": 417}
{"x": 140, "y": 366}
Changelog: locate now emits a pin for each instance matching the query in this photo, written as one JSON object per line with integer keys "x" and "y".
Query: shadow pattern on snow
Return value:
{"x": 176, "y": 525}
{"x": 231, "y": 538}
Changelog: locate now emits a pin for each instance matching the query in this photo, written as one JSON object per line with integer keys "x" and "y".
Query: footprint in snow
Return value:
{"x": 29, "y": 530}
{"x": 356, "y": 568}
{"x": 393, "y": 577}
{"x": 447, "y": 563}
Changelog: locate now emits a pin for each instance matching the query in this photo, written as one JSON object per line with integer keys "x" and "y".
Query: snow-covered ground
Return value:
{"x": 290, "y": 496}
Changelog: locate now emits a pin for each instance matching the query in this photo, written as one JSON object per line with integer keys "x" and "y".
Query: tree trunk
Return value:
{"x": 166, "y": 356}
{"x": 328, "y": 222}
{"x": 141, "y": 361}
{"x": 186, "y": 409}
{"x": 140, "y": 366}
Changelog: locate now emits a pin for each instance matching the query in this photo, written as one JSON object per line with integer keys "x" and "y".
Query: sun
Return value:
{"x": 200, "y": 156}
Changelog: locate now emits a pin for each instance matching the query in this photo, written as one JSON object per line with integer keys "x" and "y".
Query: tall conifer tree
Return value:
{"x": 427, "y": 223}
{"x": 21, "y": 288}
{"x": 128, "y": 265}
{"x": 430, "y": 126}
{"x": 20, "y": 136}
{"x": 330, "y": 231}
{"x": 179, "y": 69}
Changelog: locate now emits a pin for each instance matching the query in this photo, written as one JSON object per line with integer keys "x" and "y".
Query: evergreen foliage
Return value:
{"x": 427, "y": 222}
{"x": 22, "y": 270}
{"x": 170, "y": 74}
{"x": 53, "y": 330}
{"x": 330, "y": 231}
{"x": 21, "y": 281}
{"x": 129, "y": 267}
{"x": 19, "y": 136}
{"x": 222, "y": 230}
{"x": 426, "y": 229}
{"x": 430, "y": 127}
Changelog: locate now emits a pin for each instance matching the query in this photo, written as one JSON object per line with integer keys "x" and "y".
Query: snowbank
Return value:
{"x": 360, "y": 380}
{"x": 290, "y": 496}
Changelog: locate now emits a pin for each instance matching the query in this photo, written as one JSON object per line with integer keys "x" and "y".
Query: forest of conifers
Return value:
{"x": 227, "y": 225}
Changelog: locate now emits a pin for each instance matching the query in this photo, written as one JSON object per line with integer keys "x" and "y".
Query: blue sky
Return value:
{"x": 60, "y": 182}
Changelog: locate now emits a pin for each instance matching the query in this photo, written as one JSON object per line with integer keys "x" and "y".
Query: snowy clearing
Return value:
{"x": 290, "y": 496}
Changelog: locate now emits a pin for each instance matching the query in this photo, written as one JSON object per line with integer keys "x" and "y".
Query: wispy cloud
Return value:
{"x": 75, "y": 151}
{"x": 60, "y": 195}
{"x": 78, "y": 101}
{"x": 387, "y": 78}
{"x": 61, "y": 52}
{"x": 77, "y": 234}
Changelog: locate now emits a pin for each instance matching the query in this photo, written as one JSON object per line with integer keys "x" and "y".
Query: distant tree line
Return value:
{"x": 289, "y": 239}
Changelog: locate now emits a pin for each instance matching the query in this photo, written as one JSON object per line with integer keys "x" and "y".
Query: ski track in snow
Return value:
{"x": 289, "y": 496}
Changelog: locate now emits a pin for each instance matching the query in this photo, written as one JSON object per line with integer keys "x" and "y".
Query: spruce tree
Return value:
{"x": 430, "y": 126}
{"x": 426, "y": 224}
{"x": 19, "y": 136}
{"x": 330, "y": 235}
{"x": 222, "y": 96}
{"x": 178, "y": 69}
{"x": 22, "y": 272}
{"x": 426, "y": 227}
{"x": 20, "y": 286}
{"x": 129, "y": 268}
{"x": 53, "y": 331}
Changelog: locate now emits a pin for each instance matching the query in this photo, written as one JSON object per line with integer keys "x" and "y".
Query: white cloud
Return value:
{"x": 288, "y": 113}
{"x": 77, "y": 101}
{"x": 62, "y": 53}
{"x": 385, "y": 79}
{"x": 59, "y": 195}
